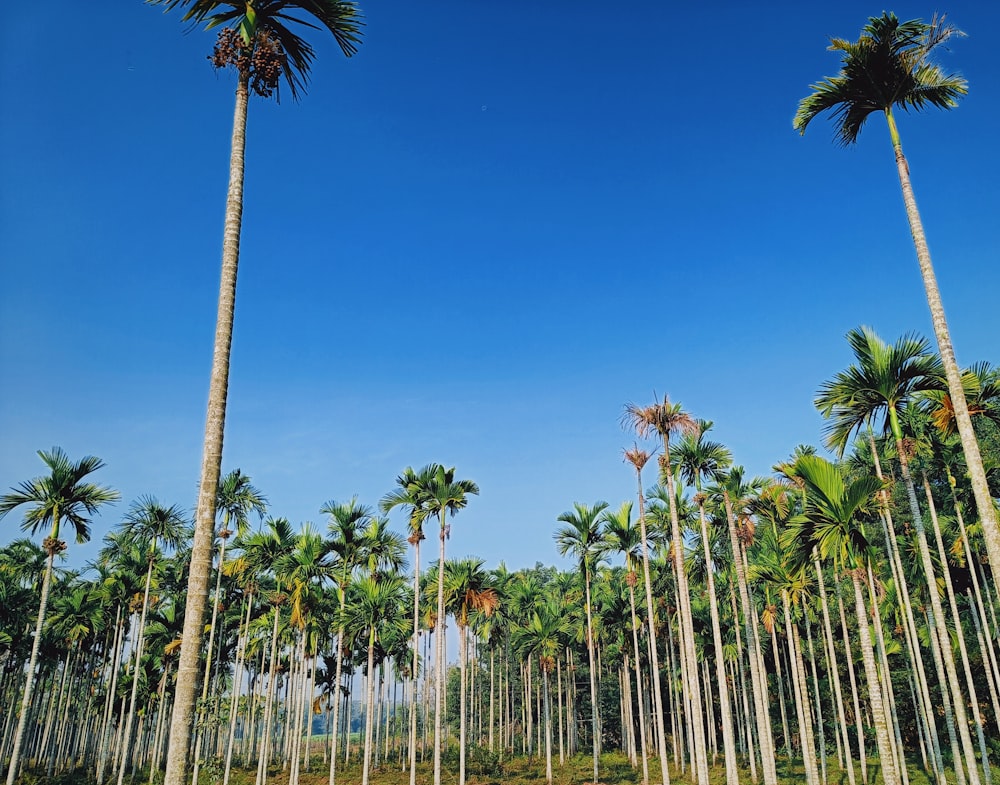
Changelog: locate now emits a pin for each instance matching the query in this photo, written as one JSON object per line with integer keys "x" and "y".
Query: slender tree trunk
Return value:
{"x": 29, "y": 683}
{"x": 439, "y": 654}
{"x": 370, "y": 710}
{"x": 890, "y": 775}
{"x": 267, "y": 733}
{"x": 211, "y": 463}
{"x": 140, "y": 637}
{"x": 963, "y": 652}
{"x": 638, "y": 681}
{"x": 910, "y": 629}
{"x": 725, "y": 707}
{"x": 758, "y": 680}
{"x": 595, "y": 718}
{"x": 548, "y": 725}
{"x": 949, "y": 678}
{"x": 686, "y": 628}
{"x": 838, "y": 692}
{"x": 208, "y": 661}
{"x": 463, "y": 643}
{"x": 416, "y": 660}
{"x": 970, "y": 445}
{"x": 234, "y": 704}
{"x": 801, "y": 693}
{"x": 661, "y": 739}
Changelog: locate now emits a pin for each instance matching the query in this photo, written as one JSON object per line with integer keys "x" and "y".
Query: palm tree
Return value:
{"x": 638, "y": 459}
{"x": 347, "y": 543}
{"x": 889, "y": 66}
{"x": 582, "y": 538}
{"x": 542, "y": 636}
{"x": 667, "y": 420}
{"x": 833, "y": 522}
{"x": 410, "y": 495}
{"x": 699, "y": 459}
{"x": 442, "y": 495}
{"x": 236, "y": 499}
{"x": 467, "y": 590}
{"x": 736, "y": 496}
{"x": 148, "y": 524}
{"x": 269, "y": 551}
{"x": 256, "y": 39}
{"x": 882, "y": 382}
{"x": 52, "y": 499}
{"x": 376, "y": 607}
{"x": 622, "y": 536}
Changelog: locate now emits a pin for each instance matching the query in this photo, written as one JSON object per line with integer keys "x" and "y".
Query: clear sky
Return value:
{"x": 471, "y": 243}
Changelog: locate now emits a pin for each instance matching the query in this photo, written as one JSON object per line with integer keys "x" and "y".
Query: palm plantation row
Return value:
{"x": 716, "y": 621}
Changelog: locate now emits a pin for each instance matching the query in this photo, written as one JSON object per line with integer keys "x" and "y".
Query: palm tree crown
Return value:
{"x": 60, "y": 495}
{"x": 259, "y": 42}
{"x": 883, "y": 379}
{"x": 887, "y": 66}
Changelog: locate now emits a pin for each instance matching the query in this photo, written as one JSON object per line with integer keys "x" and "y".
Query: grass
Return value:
{"x": 614, "y": 769}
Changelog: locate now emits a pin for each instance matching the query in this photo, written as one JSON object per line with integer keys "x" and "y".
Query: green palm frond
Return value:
{"x": 277, "y": 20}
{"x": 886, "y": 67}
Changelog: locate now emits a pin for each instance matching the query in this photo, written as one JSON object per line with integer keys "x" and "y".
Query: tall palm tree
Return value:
{"x": 442, "y": 496}
{"x": 376, "y": 606}
{"x": 410, "y": 494}
{"x": 582, "y": 537}
{"x": 258, "y": 42}
{"x": 467, "y": 591}
{"x": 638, "y": 458}
{"x": 833, "y": 522}
{"x": 61, "y": 496}
{"x": 149, "y": 524}
{"x": 884, "y": 379}
{"x": 667, "y": 420}
{"x": 700, "y": 459}
{"x": 236, "y": 499}
{"x": 887, "y": 67}
{"x": 347, "y": 543}
{"x": 737, "y": 494}
{"x": 622, "y": 536}
{"x": 542, "y": 636}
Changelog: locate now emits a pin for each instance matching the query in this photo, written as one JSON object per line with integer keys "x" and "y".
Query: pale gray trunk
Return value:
{"x": 416, "y": 663}
{"x": 234, "y": 703}
{"x": 199, "y": 734}
{"x": 370, "y": 710}
{"x": 661, "y": 739}
{"x": 728, "y": 738}
{"x": 29, "y": 683}
{"x": 439, "y": 655}
{"x": 638, "y": 683}
{"x": 136, "y": 657}
{"x": 890, "y": 774}
{"x": 838, "y": 692}
{"x": 758, "y": 680}
{"x": 970, "y": 445}
{"x": 949, "y": 678}
{"x": 211, "y": 462}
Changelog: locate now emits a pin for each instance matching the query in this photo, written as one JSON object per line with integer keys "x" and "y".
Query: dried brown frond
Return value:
{"x": 768, "y": 616}
{"x": 636, "y": 456}
{"x": 173, "y": 647}
{"x": 485, "y": 601}
{"x": 746, "y": 529}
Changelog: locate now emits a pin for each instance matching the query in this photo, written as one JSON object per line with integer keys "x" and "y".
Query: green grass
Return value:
{"x": 578, "y": 770}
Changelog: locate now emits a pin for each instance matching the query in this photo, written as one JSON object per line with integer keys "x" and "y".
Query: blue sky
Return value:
{"x": 471, "y": 243}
